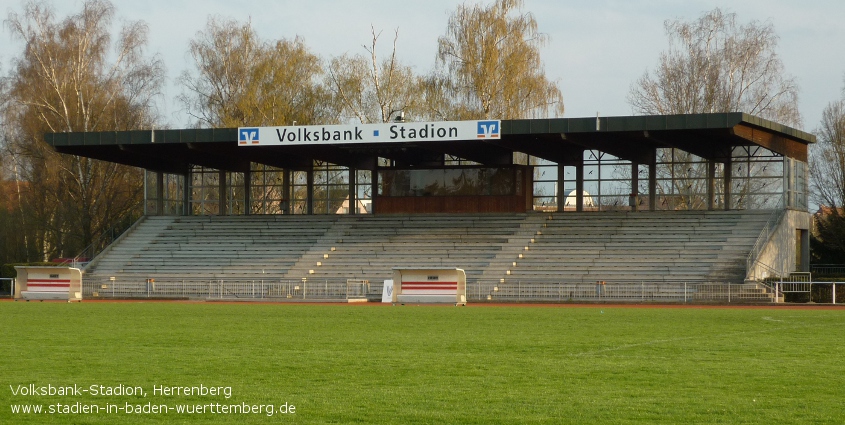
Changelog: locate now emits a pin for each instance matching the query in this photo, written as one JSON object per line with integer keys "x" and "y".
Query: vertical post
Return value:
{"x": 159, "y": 193}
{"x": 788, "y": 182}
{"x": 635, "y": 187}
{"x": 309, "y": 189}
{"x": 221, "y": 192}
{"x": 286, "y": 191}
{"x": 186, "y": 192}
{"x": 373, "y": 189}
{"x": 146, "y": 192}
{"x": 685, "y": 292}
{"x": 248, "y": 190}
{"x": 711, "y": 185}
{"x": 579, "y": 184}
{"x": 353, "y": 191}
{"x": 727, "y": 191}
{"x": 810, "y": 294}
{"x": 833, "y": 289}
{"x": 652, "y": 183}
{"x": 561, "y": 193}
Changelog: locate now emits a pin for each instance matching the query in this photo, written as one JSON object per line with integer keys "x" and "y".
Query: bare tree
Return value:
{"x": 368, "y": 90}
{"x": 243, "y": 80}
{"x": 71, "y": 76}
{"x": 827, "y": 168}
{"x": 827, "y": 176}
{"x": 715, "y": 64}
{"x": 490, "y": 66}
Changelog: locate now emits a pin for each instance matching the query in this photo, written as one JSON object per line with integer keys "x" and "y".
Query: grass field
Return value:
{"x": 428, "y": 364}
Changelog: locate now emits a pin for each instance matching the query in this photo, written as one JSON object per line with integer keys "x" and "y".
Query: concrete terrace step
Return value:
{"x": 665, "y": 246}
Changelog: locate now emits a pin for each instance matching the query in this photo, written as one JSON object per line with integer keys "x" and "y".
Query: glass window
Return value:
{"x": 757, "y": 178}
{"x": 479, "y": 181}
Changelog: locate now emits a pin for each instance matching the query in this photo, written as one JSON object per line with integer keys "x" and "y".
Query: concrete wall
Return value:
{"x": 778, "y": 257}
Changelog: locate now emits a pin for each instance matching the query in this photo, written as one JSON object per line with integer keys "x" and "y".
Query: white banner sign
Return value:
{"x": 369, "y": 133}
{"x": 387, "y": 292}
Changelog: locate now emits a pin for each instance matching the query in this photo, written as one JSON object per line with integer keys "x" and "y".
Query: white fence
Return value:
{"x": 338, "y": 289}
{"x": 230, "y": 289}
{"x": 7, "y": 283}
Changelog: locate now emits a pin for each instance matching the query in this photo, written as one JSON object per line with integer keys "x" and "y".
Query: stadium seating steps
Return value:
{"x": 654, "y": 247}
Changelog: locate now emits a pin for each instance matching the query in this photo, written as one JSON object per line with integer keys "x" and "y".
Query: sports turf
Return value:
{"x": 429, "y": 364}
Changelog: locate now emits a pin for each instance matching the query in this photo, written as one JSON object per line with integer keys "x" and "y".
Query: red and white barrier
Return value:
{"x": 48, "y": 283}
{"x": 432, "y": 285}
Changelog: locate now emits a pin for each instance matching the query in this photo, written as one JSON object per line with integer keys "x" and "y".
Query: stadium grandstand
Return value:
{"x": 675, "y": 207}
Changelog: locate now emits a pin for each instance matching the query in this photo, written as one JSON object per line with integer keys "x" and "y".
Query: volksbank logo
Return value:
{"x": 488, "y": 129}
{"x": 248, "y": 136}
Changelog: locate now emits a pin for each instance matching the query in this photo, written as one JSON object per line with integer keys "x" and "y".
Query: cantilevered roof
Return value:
{"x": 562, "y": 140}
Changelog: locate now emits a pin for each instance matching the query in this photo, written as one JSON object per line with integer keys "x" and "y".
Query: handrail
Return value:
{"x": 765, "y": 234}
{"x": 105, "y": 239}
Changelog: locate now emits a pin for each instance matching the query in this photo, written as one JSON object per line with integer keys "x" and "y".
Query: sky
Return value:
{"x": 596, "y": 50}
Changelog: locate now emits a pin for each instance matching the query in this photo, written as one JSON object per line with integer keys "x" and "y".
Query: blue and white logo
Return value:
{"x": 248, "y": 136}
{"x": 488, "y": 129}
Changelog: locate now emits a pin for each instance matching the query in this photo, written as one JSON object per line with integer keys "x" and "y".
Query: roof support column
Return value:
{"x": 353, "y": 193}
{"x": 652, "y": 184}
{"x": 561, "y": 193}
{"x": 373, "y": 190}
{"x": 309, "y": 189}
{"x": 579, "y": 184}
{"x": 711, "y": 185}
{"x": 159, "y": 193}
{"x": 286, "y": 195}
{"x": 247, "y": 191}
{"x": 728, "y": 172}
{"x": 633, "y": 198}
{"x": 222, "y": 190}
{"x": 186, "y": 192}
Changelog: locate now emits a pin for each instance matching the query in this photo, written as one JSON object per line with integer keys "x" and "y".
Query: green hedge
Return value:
{"x": 8, "y": 270}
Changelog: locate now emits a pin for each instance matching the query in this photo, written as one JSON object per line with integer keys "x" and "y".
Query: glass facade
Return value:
{"x": 545, "y": 185}
{"x": 267, "y": 190}
{"x": 759, "y": 179}
{"x": 164, "y": 194}
{"x": 476, "y": 181}
{"x": 682, "y": 180}
{"x": 607, "y": 182}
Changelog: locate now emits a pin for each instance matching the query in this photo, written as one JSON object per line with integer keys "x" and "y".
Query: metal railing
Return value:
{"x": 828, "y": 269}
{"x": 230, "y": 289}
{"x": 489, "y": 291}
{"x": 810, "y": 291}
{"x": 762, "y": 239}
{"x": 5, "y": 283}
{"x": 105, "y": 239}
